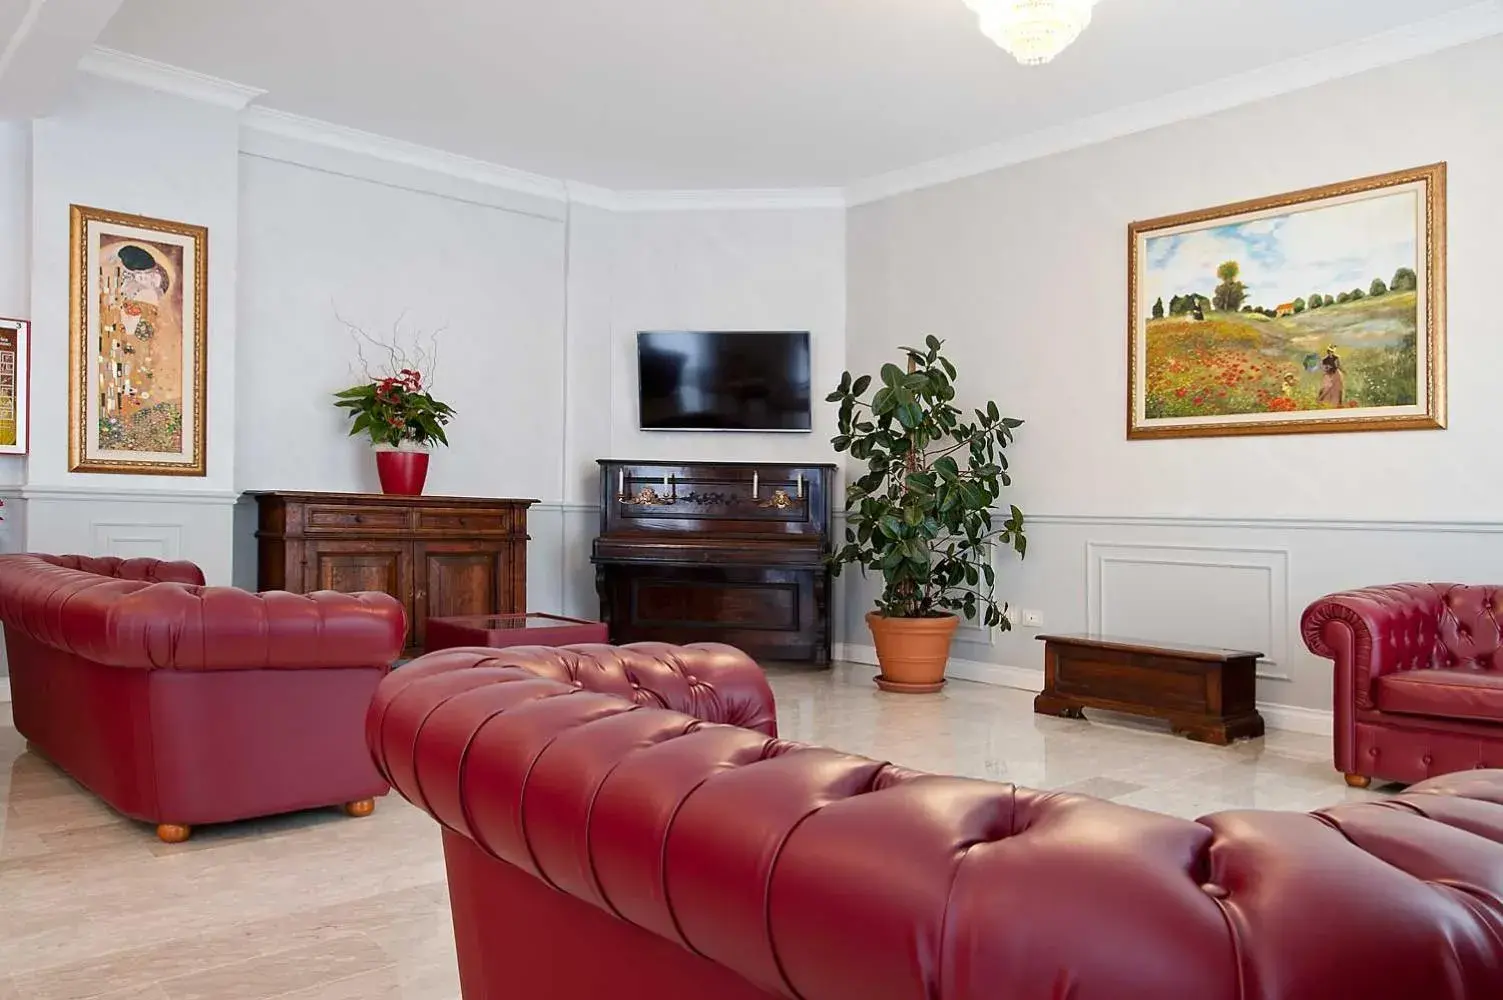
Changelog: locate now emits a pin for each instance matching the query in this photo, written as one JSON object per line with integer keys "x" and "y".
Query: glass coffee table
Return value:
{"x": 500, "y": 631}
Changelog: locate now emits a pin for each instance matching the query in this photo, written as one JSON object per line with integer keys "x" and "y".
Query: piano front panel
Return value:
{"x": 770, "y": 613}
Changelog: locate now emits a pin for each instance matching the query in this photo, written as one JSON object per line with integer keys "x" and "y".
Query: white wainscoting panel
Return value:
{"x": 168, "y": 524}
{"x": 137, "y": 539}
{"x": 1235, "y": 598}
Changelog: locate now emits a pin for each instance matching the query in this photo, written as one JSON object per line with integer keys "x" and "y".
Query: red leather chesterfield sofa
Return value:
{"x": 1419, "y": 678}
{"x": 180, "y": 704}
{"x": 602, "y": 841}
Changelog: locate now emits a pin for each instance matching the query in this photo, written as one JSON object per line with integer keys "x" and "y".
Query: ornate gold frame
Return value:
{"x": 1433, "y": 177}
{"x": 78, "y": 344}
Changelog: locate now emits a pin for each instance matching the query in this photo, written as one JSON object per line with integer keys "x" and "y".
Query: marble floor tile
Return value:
{"x": 318, "y": 906}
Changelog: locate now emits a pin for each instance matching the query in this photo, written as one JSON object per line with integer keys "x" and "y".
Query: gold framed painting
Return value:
{"x": 1312, "y": 311}
{"x": 138, "y": 304}
{"x": 15, "y": 386}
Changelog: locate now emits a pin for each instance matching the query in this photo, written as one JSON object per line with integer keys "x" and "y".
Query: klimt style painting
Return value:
{"x": 1319, "y": 310}
{"x": 138, "y": 379}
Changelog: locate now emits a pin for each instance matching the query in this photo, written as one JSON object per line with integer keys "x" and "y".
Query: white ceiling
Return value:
{"x": 683, "y": 94}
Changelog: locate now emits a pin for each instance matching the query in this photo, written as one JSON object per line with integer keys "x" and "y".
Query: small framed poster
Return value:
{"x": 15, "y": 386}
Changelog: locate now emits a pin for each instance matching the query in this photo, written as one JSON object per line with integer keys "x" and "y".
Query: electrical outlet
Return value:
{"x": 1031, "y": 619}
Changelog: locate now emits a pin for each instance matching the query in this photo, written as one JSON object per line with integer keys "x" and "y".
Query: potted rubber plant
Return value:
{"x": 926, "y": 512}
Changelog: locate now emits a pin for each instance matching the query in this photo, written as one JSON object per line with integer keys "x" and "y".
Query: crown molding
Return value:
{"x": 352, "y": 140}
{"x": 112, "y": 64}
{"x": 285, "y": 125}
{"x": 1467, "y": 24}
{"x": 707, "y": 200}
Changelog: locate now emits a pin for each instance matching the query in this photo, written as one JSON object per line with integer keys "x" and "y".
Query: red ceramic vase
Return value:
{"x": 402, "y": 472}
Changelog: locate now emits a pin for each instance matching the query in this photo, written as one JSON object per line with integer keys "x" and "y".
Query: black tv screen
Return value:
{"x": 715, "y": 381}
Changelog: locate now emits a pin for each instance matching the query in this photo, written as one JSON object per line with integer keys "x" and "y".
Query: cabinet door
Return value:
{"x": 461, "y": 577}
{"x": 354, "y": 566}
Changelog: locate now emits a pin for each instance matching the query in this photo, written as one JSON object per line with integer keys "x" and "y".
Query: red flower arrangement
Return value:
{"x": 395, "y": 405}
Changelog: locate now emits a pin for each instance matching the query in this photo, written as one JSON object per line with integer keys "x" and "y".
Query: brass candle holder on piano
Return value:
{"x": 647, "y": 496}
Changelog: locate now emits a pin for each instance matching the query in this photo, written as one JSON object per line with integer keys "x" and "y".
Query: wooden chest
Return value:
{"x": 1206, "y": 693}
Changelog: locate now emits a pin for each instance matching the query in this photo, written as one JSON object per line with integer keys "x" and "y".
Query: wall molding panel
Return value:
{"x": 194, "y": 525}
{"x": 1256, "y": 581}
{"x": 138, "y": 539}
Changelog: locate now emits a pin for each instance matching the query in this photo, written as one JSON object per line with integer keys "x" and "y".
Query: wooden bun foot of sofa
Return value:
{"x": 173, "y": 833}
{"x": 1358, "y": 780}
{"x": 361, "y": 807}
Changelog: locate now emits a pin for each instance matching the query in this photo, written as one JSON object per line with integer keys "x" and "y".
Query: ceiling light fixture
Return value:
{"x": 1033, "y": 31}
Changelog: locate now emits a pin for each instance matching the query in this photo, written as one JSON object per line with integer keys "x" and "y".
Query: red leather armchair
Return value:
{"x": 180, "y": 704}
{"x": 1419, "y": 678}
{"x": 608, "y": 846}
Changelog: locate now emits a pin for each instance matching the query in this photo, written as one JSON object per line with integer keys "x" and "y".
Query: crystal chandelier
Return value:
{"x": 1033, "y": 31}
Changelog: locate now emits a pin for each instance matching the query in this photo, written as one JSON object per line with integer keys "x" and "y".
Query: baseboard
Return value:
{"x": 1294, "y": 719}
{"x": 1286, "y": 718}
{"x": 4, "y": 689}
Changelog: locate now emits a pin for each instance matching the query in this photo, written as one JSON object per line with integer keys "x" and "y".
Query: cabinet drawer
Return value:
{"x": 331, "y": 518}
{"x": 440, "y": 519}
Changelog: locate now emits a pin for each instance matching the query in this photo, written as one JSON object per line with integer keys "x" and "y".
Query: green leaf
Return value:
{"x": 861, "y": 385}
{"x": 947, "y": 469}
{"x": 892, "y": 375}
{"x": 933, "y": 343}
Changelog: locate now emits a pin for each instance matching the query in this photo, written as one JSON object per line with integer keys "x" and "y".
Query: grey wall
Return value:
{"x": 1216, "y": 540}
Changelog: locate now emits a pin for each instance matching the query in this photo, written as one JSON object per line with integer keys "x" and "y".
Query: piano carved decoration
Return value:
{"x": 717, "y": 552}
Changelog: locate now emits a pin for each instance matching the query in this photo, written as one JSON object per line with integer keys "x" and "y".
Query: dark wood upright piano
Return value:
{"x": 717, "y": 552}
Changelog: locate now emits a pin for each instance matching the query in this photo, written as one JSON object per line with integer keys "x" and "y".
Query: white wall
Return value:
{"x": 128, "y": 149}
{"x": 744, "y": 269}
{"x": 492, "y": 279}
{"x": 774, "y": 269}
{"x": 15, "y": 251}
{"x": 1024, "y": 271}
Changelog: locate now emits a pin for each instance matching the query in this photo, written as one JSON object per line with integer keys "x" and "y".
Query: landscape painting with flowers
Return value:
{"x": 1319, "y": 310}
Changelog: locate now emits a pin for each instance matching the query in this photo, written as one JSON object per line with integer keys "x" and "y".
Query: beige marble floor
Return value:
{"x": 322, "y": 907}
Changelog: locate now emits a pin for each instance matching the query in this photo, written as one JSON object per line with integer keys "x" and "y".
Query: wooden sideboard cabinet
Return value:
{"x": 440, "y": 556}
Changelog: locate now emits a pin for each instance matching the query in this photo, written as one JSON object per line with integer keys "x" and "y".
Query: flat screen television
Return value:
{"x": 723, "y": 381}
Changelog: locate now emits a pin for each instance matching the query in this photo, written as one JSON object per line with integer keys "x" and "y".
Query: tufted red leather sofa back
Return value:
{"x": 122, "y": 617}
{"x": 815, "y": 874}
{"x": 150, "y": 570}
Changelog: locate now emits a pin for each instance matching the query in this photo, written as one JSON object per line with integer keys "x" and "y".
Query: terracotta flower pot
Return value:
{"x": 912, "y": 651}
{"x": 402, "y": 473}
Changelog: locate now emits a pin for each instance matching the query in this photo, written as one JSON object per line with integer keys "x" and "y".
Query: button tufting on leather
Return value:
{"x": 1215, "y": 891}
{"x": 1427, "y": 760}
{"x": 692, "y": 679}
{"x": 1373, "y": 752}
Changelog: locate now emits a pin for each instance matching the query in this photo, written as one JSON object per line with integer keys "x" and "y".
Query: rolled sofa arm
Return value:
{"x": 1375, "y": 631}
